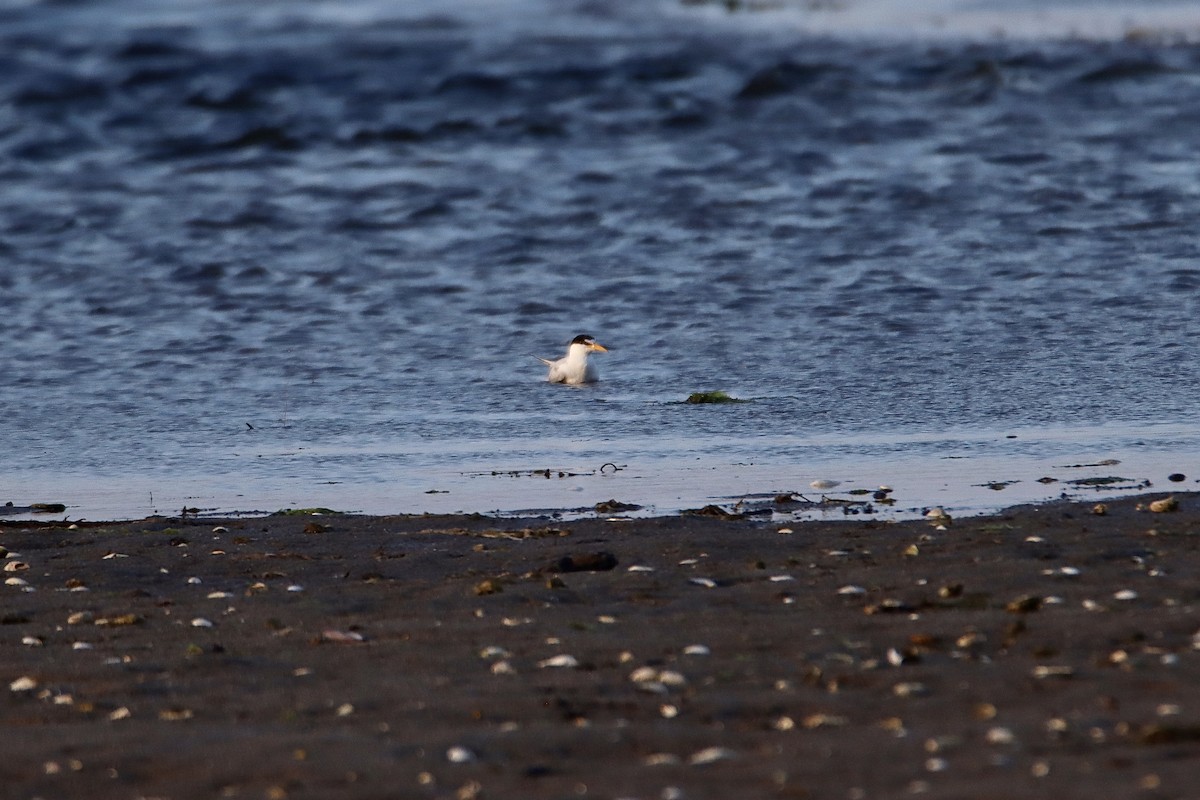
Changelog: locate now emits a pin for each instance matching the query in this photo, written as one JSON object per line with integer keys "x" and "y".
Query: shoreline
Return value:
{"x": 1047, "y": 647}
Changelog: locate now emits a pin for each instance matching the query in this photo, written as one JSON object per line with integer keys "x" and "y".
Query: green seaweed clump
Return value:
{"x": 712, "y": 397}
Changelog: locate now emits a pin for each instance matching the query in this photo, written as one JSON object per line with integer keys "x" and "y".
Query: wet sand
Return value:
{"x": 1041, "y": 652}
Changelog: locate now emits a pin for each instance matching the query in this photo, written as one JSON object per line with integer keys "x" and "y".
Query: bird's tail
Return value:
{"x": 545, "y": 361}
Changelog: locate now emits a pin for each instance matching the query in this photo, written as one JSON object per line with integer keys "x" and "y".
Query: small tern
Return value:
{"x": 573, "y": 368}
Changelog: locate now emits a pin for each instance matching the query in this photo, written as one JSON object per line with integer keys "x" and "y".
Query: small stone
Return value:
{"x": 1125, "y": 594}
{"x": 1100, "y": 509}
{"x": 119, "y": 714}
{"x": 710, "y": 755}
{"x": 707, "y": 583}
{"x": 1177, "y": 477}
{"x": 696, "y": 650}
{"x": 563, "y": 661}
{"x": 23, "y": 684}
{"x": 460, "y": 755}
{"x": 201, "y": 622}
{"x": 1164, "y": 505}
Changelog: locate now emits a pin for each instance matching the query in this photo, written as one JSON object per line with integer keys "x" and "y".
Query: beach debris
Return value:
{"x": 1177, "y": 477}
{"x": 562, "y": 661}
{"x": 1053, "y": 671}
{"x": 707, "y": 583}
{"x": 1100, "y": 509}
{"x": 489, "y": 586}
{"x": 118, "y": 714}
{"x": 640, "y": 568}
{"x": 712, "y": 510}
{"x": 711, "y": 755}
{"x": 661, "y": 759}
{"x": 1164, "y": 505}
{"x": 220, "y": 529}
{"x": 23, "y": 684}
{"x": 1125, "y": 594}
{"x": 295, "y": 587}
{"x": 201, "y": 622}
{"x": 1026, "y": 604}
{"x": 784, "y": 531}
{"x": 47, "y": 508}
{"x": 502, "y": 668}
{"x": 460, "y": 755}
{"x": 938, "y": 516}
{"x": 851, "y": 590}
{"x": 333, "y": 636}
{"x": 701, "y": 398}
{"x": 824, "y": 484}
{"x": 657, "y": 681}
{"x": 32, "y": 641}
{"x": 910, "y": 689}
{"x": 615, "y": 506}
{"x": 697, "y": 650}
{"x": 15, "y": 566}
{"x": 119, "y": 620}
{"x": 175, "y": 714}
{"x": 82, "y": 646}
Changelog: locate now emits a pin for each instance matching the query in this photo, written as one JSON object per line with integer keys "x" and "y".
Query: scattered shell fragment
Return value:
{"x": 33, "y": 641}
{"x": 79, "y": 617}
{"x": 784, "y": 531}
{"x": 219, "y": 595}
{"x": 194, "y": 580}
{"x": 460, "y": 755}
{"x": 118, "y": 621}
{"x": 1053, "y": 671}
{"x": 82, "y": 646}
{"x": 783, "y": 723}
{"x": 781, "y": 578}
{"x": 821, "y": 720}
{"x": 1100, "y": 509}
{"x": 341, "y": 637}
{"x": 697, "y": 650}
{"x": 710, "y": 755}
{"x": 23, "y": 684}
{"x": 640, "y": 568}
{"x": 1125, "y": 594}
{"x": 345, "y": 709}
{"x": 707, "y": 583}
{"x": 821, "y": 484}
{"x": 201, "y": 622}
{"x": 660, "y": 759}
{"x": 119, "y": 714}
{"x": 852, "y": 590}
{"x": 175, "y": 714}
{"x": 220, "y": 529}
{"x": 15, "y": 566}
{"x": 910, "y": 689}
{"x": 1000, "y": 735}
{"x": 503, "y": 668}
{"x": 494, "y": 651}
{"x": 295, "y": 587}
{"x": 15, "y": 582}
{"x": 563, "y": 660}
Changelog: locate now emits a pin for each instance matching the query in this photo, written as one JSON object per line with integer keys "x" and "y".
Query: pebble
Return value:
{"x": 194, "y": 580}
{"x": 910, "y": 689}
{"x": 781, "y": 578}
{"x": 852, "y": 590}
{"x": 23, "y": 684}
{"x": 707, "y": 583}
{"x": 295, "y": 587}
{"x": 563, "y": 660}
{"x": 32, "y": 641}
{"x": 1000, "y": 735}
{"x": 120, "y": 713}
{"x": 502, "y": 668}
{"x": 460, "y": 755}
{"x": 82, "y": 646}
{"x": 696, "y": 650}
{"x": 660, "y": 759}
{"x": 1125, "y": 594}
{"x": 201, "y": 622}
{"x": 710, "y": 755}
{"x": 640, "y": 568}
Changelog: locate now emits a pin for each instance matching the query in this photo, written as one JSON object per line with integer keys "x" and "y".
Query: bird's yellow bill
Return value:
{"x": 599, "y": 347}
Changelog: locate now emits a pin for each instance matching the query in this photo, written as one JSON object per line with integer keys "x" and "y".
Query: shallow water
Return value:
{"x": 303, "y": 255}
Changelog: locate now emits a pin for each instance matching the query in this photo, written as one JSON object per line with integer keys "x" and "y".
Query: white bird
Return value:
{"x": 573, "y": 368}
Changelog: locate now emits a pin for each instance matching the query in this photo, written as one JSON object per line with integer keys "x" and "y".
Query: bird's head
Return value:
{"x": 588, "y": 343}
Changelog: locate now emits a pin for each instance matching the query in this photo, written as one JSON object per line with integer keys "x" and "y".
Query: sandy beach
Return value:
{"x": 1041, "y": 652}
